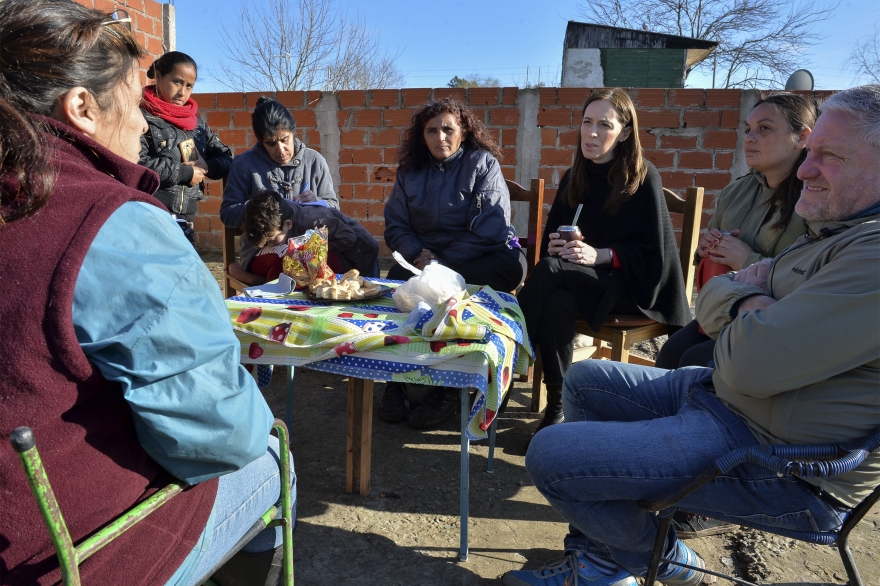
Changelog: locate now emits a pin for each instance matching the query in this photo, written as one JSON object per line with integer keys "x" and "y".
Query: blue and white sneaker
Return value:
{"x": 678, "y": 576}
{"x": 560, "y": 572}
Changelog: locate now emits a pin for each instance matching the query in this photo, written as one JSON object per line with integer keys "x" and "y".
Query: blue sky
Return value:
{"x": 501, "y": 38}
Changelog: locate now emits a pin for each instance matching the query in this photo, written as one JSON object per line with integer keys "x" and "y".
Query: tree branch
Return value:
{"x": 758, "y": 40}
{"x": 303, "y": 44}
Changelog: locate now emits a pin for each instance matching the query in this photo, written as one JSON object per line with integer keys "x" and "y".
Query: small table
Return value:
{"x": 477, "y": 339}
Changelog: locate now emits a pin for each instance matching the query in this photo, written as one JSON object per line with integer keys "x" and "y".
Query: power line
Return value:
{"x": 522, "y": 69}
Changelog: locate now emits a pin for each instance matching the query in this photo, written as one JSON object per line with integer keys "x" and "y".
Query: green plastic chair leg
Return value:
{"x": 23, "y": 442}
{"x": 286, "y": 502}
{"x": 70, "y": 556}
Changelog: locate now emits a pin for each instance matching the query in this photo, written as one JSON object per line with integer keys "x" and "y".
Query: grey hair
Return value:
{"x": 863, "y": 103}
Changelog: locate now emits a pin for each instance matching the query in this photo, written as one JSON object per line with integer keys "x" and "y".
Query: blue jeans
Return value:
{"x": 636, "y": 433}
{"x": 242, "y": 498}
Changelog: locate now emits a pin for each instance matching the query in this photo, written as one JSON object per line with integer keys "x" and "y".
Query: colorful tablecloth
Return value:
{"x": 477, "y": 339}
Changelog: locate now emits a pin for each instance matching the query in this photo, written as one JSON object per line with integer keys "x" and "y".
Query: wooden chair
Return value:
{"x": 535, "y": 198}
{"x": 532, "y": 243}
{"x": 234, "y": 274}
{"x": 622, "y": 331}
{"x": 235, "y": 277}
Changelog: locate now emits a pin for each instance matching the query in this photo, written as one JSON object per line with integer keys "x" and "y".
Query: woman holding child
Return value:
{"x": 449, "y": 204}
{"x": 281, "y": 163}
{"x": 178, "y": 145}
{"x": 278, "y": 161}
{"x": 754, "y": 216}
{"x": 627, "y": 261}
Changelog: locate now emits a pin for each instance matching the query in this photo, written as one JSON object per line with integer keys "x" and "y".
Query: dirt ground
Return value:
{"x": 406, "y": 530}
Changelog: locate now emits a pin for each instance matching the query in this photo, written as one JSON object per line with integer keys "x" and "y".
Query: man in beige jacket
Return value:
{"x": 797, "y": 360}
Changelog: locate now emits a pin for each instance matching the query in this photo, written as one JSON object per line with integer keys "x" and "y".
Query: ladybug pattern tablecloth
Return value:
{"x": 477, "y": 339}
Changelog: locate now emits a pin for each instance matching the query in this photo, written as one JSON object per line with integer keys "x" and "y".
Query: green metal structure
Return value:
{"x": 71, "y": 555}
{"x": 643, "y": 67}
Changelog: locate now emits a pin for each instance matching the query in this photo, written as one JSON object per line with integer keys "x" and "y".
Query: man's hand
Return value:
{"x": 755, "y": 274}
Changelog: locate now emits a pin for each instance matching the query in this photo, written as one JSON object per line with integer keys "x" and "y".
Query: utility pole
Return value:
{"x": 714, "y": 66}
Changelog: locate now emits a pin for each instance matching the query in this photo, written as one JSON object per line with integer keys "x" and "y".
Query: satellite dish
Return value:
{"x": 800, "y": 80}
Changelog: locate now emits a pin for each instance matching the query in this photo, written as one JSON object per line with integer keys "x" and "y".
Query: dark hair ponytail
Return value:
{"x": 167, "y": 62}
{"x": 46, "y": 49}
{"x": 801, "y": 113}
{"x": 27, "y": 180}
{"x": 270, "y": 118}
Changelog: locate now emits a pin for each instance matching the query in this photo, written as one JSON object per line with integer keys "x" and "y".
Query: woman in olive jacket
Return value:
{"x": 754, "y": 216}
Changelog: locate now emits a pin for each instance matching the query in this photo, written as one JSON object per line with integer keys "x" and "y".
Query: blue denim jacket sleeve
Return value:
{"x": 149, "y": 315}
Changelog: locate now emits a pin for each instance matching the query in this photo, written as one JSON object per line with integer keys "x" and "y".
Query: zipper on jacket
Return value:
{"x": 479, "y": 197}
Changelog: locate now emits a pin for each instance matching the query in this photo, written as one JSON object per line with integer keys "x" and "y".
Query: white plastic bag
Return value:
{"x": 433, "y": 285}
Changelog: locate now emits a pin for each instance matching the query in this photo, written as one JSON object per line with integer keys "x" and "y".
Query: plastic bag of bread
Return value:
{"x": 434, "y": 285}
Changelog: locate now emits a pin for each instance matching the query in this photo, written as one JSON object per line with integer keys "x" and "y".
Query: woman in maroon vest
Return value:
{"x": 115, "y": 345}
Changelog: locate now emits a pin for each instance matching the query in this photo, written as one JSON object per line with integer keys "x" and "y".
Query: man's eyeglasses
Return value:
{"x": 119, "y": 17}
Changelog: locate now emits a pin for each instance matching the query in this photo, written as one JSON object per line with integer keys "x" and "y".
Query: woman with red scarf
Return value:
{"x": 178, "y": 145}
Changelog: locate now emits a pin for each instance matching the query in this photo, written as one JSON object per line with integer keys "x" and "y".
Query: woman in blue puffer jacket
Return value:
{"x": 450, "y": 204}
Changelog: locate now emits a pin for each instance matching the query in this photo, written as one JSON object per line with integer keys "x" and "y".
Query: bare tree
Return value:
{"x": 865, "y": 57}
{"x": 303, "y": 44}
{"x": 759, "y": 41}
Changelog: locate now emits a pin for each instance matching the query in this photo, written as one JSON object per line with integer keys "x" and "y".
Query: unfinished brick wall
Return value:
{"x": 690, "y": 135}
{"x": 146, "y": 22}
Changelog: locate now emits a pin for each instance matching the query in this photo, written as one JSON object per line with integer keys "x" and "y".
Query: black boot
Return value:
{"x": 263, "y": 568}
{"x": 392, "y": 408}
{"x": 553, "y": 411}
{"x": 436, "y": 408}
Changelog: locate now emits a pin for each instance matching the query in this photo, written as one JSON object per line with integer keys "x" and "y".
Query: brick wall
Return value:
{"x": 146, "y": 22}
{"x": 690, "y": 135}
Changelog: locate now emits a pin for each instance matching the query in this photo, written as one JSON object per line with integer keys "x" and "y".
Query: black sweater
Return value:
{"x": 641, "y": 235}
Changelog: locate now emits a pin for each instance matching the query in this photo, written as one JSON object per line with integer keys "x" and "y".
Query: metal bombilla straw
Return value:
{"x": 577, "y": 214}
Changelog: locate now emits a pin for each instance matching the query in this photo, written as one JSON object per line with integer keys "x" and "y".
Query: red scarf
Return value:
{"x": 184, "y": 117}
